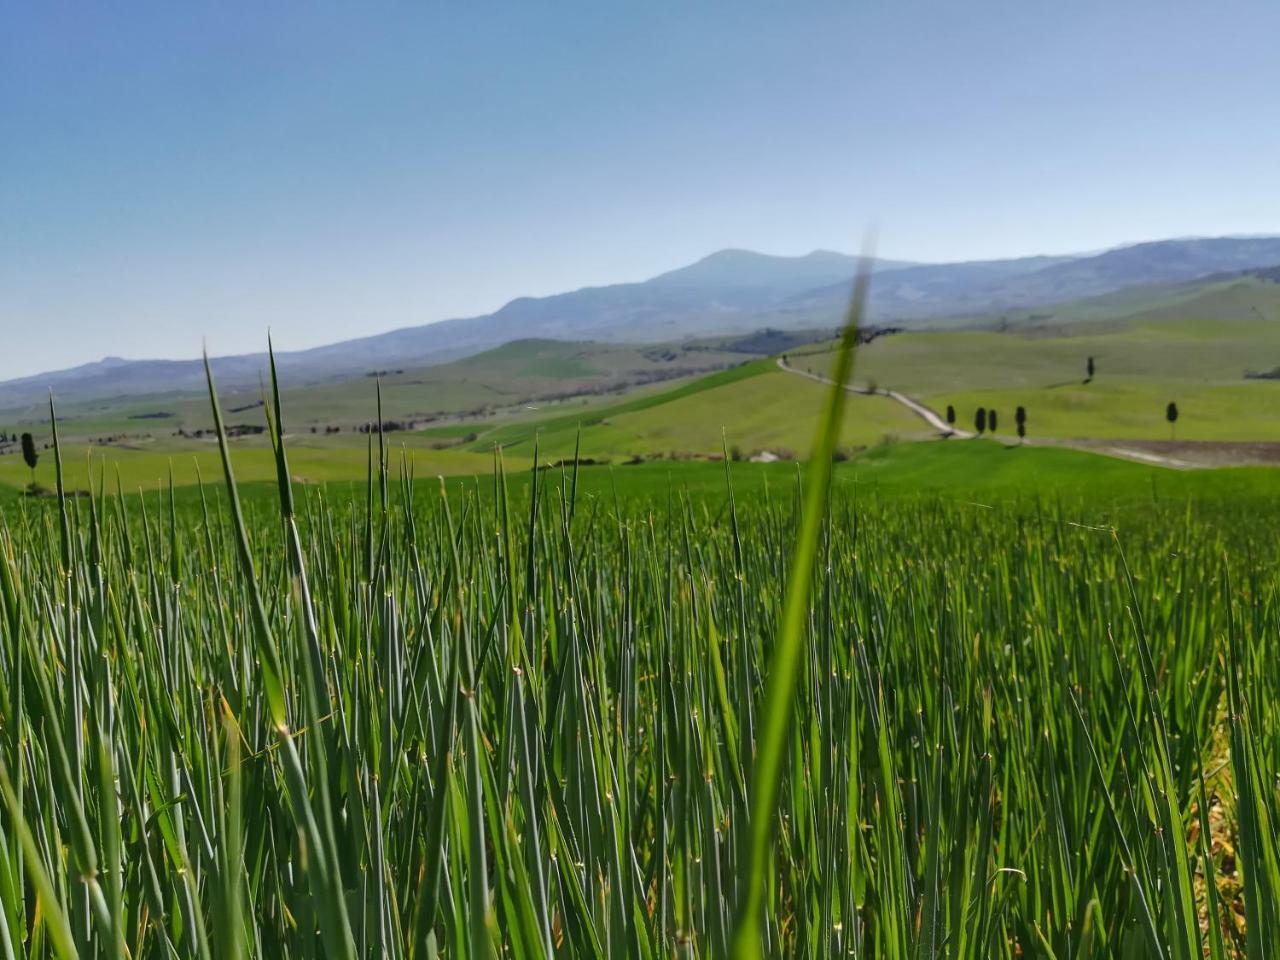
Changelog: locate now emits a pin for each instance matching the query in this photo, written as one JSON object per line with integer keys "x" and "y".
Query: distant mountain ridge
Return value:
{"x": 984, "y": 287}
{"x": 746, "y": 269}
{"x": 731, "y": 291}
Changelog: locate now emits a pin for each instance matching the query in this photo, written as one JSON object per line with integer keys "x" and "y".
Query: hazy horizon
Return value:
{"x": 280, "y": 347}
{"x": 175, "y": 174}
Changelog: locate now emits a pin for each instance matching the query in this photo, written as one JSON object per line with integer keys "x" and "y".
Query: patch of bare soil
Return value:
{"x": 1199, "y": 453}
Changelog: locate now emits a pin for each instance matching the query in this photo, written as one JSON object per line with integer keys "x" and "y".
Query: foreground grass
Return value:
{"x": 522, "y": 724}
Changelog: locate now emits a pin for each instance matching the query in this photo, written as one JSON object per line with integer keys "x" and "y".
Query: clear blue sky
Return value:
{"x": 181, "y": 170}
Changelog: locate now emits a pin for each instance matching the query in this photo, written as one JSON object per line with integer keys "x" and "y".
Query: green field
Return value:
{"x": 1188, "y": 345}
{"x": 1193, "y": 354}
{"x": 466, "y": 493}
{"x": 756, "y": 408}
{"x": 956, "y": 471}
{"x": 752, "y": 407}
{"x": 496, "y": 383}
{"x": 187, "y": 461}
{"x": 1022, "y": 708}
{"x": 1032, "y": 714}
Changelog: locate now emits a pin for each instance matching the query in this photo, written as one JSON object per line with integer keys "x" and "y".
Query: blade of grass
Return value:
{"x": 779, "y": 694}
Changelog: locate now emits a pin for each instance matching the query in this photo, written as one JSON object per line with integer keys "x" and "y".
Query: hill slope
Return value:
{"x": 1213, "y": 348}
{"x": 701, "y": 298}
{"x": 733, "y": 291}
{"x": 500, "y": 381}
{"x": 957, "y": 292}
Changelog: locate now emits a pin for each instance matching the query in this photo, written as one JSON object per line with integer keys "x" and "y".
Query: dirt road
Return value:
{"x": 945, "y": 430}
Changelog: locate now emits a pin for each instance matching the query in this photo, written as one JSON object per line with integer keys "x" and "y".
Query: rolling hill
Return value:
{"x": 1213, "y": 347}
{"x": 751, "y": 407}
{"x": 957, "y": 293}
{"x": 699, "y": 299}
{"x": 500, "y": 381}
{"x": 732, "y": 291}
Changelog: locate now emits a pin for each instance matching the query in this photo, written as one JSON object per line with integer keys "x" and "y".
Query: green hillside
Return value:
{"x": 1194, "y": 351}
{"x": 310, "y": 462}
{"x": 497, "y": 383}
{"x": 1191, "y": 345}
{"x": 752, "y": 407}
{"x": 755, "y": 408}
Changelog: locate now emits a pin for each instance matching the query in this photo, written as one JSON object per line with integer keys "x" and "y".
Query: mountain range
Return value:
{"x": 732, "y": 291}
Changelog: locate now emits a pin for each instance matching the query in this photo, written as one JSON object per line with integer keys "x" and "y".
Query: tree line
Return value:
{"x": 988, "y": 420}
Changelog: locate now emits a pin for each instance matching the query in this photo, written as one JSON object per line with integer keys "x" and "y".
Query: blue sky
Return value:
{"x": 171, "y": 172}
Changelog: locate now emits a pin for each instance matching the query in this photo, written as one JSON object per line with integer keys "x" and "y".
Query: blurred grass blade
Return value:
{"x": 779, "y": 693}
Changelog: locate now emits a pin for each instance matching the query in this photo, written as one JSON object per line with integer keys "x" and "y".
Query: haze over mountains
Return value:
{"x": 731, "y": 291}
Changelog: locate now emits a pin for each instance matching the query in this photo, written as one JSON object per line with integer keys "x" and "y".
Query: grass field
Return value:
{"x": 756, "y": 407}
{"x": 968, "y": 700}
{"x": 953, "y": 471}
{"x": 498, "y": 382}
{"x": 752, "y": 407}
{"x": 312, "y": 463}
{"x": 1189, "y": 346}
{"x": 1142, "y": 366}
{"x": 525, "y": 720}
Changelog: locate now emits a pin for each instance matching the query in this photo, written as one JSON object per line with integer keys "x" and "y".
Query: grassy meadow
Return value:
{"x": 751, "y": 407}
{"x": 516, "y": 380}
{"x": 621, "y": 403}
{"x": 1195, "y": 354}
{"x": 313, "y": 694}
{"x": 941, "y": 700}
{"x": 150, "y": 467}
{"x": 755, "y": 407}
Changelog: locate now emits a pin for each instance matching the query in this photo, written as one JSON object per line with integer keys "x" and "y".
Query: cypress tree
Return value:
{"x": 29, "y": 454}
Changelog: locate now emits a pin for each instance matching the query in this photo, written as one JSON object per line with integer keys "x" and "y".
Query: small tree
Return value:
{"x": 980, "y": 420}
{"x": 951, "y": 415}
{"x": 29, "y": 454}
{"x": 1171, "y": 414}
{"x": 1020, "y": 418}
{"x": 1089, "y": 370}
{"x": 991, "y": 420}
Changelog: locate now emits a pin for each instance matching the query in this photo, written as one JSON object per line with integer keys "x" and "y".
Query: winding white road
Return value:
{"x": 915, "y": 406}
{"x": 944, "y": 429}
